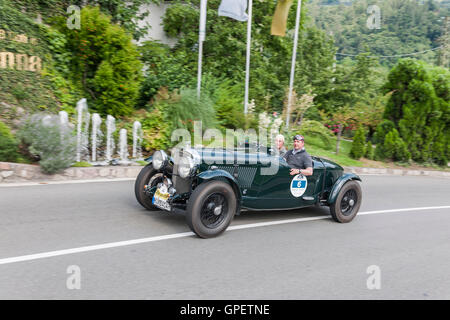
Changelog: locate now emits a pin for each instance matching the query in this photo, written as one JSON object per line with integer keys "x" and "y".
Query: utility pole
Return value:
{"x": 294, "y": 55}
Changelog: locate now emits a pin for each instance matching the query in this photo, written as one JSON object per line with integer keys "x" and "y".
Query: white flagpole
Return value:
{"x": 201, "y": 38}
{"x": 294, "y": 54}
{"x": 247, "y": 64}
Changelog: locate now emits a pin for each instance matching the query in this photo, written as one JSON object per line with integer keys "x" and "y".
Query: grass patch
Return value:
{"x": 341, "y": 159}
{"x": 142, "y": 162}
{"x": 81, "y": 164}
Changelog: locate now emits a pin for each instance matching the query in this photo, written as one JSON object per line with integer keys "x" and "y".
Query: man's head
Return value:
{"x": 299, "y": 142}
{"x": 279, "y": 140}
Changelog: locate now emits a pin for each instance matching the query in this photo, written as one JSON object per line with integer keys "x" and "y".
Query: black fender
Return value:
{"x": 218, "y": 174}
{"x": 339, "y": 184}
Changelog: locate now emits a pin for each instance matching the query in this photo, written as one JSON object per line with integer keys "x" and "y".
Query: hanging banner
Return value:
{"x": 234, "y": 9}
{"x": 280, "y": 18}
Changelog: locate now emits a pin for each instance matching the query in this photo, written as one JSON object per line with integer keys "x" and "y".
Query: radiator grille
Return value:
{"x": 245, "y": 175}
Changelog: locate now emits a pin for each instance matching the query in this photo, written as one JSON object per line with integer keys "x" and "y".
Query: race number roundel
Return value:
{"x": 298, "y": 185}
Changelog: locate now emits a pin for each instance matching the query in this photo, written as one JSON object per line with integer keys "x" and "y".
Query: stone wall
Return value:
{"x": 15, "y": 172}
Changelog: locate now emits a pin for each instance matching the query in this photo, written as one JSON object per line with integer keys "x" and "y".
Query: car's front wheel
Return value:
{"x": 211, "y": 208}
{"x": 347, "y": 203}
{"x": 147, "y": 176}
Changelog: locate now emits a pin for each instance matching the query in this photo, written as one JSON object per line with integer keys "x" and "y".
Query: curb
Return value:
{"x": 397, "y": 172}
{"x": 20, "y": 173}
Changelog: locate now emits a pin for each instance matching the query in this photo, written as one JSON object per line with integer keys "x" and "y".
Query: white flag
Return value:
{"x": 234, "y": 9}
{"x": 202, "y": 29}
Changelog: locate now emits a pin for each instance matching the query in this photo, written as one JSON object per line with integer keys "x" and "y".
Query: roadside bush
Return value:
{"x": 419, "y": 106}
{"x": 8, "y": 145}
{"x": 156, "y": 130}
{"x": 382, "y": 130}
{"x": 227, "y": 99}
{"x": 316, "y": 134}
{"x": 394, "y": 147}
{"x": 54, "y": 143}
{"x": 358, "y": 145}
{"x": 163, "y": 69}
{"x": 184, "y": 108}
{"x": 369, "y": 154}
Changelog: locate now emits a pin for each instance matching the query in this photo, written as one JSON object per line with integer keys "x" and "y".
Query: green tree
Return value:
{"x": 125, "y": 13}
{"x": 394, "y": 148}
{"x": 358, "y": 145}
{"x": 420, "y": 109}
{"x": 8, "y": 145}
{"x": 105, "y": 63}
{"x": 369, "y": 151}
{"x": 224, "y": 51}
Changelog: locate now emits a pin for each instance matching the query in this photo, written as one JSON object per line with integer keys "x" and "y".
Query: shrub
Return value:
{"x": 184, "y": 108}
{"x": 156, "y": 129}
{"x": 54, "y": 143}
{"x": 228, "y": 102}
{"x": 316, "y": 134}
{"x": 395, "y": 148}
{"x": 104, "y": 62}
{"x": 358, "y": 145}
{"x": 419, "y": 105}
{"x": 382, "y": 130}
{"x": 8, "y": 145}
{"x": 369, "y": 151}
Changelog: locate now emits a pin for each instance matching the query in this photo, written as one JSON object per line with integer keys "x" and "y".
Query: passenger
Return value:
{"x": 299, "y": 160}
{"x": 279, "y": 140}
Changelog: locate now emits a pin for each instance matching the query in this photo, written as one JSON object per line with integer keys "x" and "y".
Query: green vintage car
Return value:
{"x": 210, "y": 186}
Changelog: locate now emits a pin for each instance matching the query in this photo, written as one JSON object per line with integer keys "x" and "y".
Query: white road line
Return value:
{"x": 187, "y": 234}
{"x": 44, "y": 183}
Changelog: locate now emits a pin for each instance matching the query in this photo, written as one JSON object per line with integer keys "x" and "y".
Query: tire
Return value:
{"x": 211, "y": 208}
{"x": 342, "y": 210}
{"x": 145, "y": 178}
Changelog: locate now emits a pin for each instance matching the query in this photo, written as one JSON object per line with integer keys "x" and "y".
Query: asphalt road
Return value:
{"x": 307, "y": 259}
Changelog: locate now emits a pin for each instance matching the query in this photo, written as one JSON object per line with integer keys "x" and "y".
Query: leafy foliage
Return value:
{"x": 185, "y": 108}
{"x": 224, "y": 50}
{"x": 125, "y": 13}
{"x": 406, "y": 26}
{"x": 54, "y": 143}
{"x": 419, "y": 108}
{"x": 8, "y": 145}
{"x": 104, "y": 62}
{"x": 358, "y": 145}
{"x": 21, "y": 87}
{"x": 394, "y": 148}
{"x": 316, "y": 134}
{"x": 163, "y": 69}
{"x": 369, "y": 154}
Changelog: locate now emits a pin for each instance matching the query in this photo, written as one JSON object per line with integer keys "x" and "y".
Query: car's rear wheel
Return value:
{"x": 347, "y": 203}
{"x": 211, "y": 208}
{"x": 147, "y": 176}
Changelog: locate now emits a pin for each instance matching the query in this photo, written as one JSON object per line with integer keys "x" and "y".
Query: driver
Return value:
{"x": 298, "y": 158}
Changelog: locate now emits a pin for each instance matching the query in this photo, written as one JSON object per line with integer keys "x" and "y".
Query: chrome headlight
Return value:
{"x": 159, "y": 159}
{"x": 185, "y": 167}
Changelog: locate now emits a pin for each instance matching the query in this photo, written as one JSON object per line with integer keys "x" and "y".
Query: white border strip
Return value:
{"x": 44, "y": 183}
{"x": 187, "y": 234}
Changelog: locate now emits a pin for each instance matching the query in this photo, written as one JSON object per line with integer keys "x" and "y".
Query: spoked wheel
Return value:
{"x": 211, "y": 208}
{"x": 214, "y": 210}
{"x": 347, "y": 203}
{"x": 148, "y": 176}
